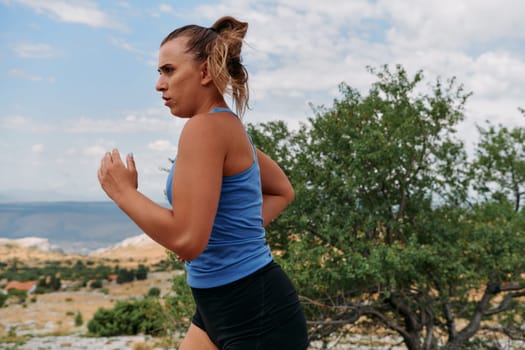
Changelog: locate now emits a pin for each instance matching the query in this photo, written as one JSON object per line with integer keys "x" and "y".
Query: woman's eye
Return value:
{"x": 165, "y": 70}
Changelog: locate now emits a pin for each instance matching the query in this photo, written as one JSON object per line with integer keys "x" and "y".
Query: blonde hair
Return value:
{"x": 220, "y": 46}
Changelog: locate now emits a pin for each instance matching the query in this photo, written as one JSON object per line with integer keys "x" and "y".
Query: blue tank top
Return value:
{"x": 237, "y": 246}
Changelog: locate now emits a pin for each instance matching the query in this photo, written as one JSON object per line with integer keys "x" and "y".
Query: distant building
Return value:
{"x": 28, "y": 286}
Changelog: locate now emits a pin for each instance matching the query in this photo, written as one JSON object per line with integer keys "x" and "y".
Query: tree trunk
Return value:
{"x": 412, "y": 342}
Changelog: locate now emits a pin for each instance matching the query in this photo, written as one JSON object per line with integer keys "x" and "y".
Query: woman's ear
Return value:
{"x": 206, "y": 78}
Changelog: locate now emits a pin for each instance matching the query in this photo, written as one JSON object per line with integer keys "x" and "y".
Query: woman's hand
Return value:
{"x": 115, "y": 178}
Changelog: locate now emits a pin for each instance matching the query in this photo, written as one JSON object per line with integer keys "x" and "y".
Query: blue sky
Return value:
{"x": 77, "y": 77}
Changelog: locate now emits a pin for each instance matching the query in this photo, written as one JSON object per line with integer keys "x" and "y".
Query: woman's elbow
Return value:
{"x": 188, "y": 248}
{"x": 289, "y": 194}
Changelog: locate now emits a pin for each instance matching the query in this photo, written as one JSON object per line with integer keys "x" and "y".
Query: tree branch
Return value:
{"x": 468, "y": 331}
{"x": 514, "y": 333}
{"x": 408, "y": 315}
{"x": 506, "y": 303}
{"x": 368, "y": 310}
{"x": 451, "y": 323}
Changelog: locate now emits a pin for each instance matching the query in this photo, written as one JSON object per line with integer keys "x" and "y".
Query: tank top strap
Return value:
{"x": 223, "y": 109}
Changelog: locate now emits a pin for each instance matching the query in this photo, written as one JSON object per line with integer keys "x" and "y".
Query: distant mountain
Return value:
{"x": 75, "y": 227}
{"x": 129, "y": 252}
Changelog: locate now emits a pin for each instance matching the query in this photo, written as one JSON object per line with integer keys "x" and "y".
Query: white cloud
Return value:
{"x": 19, "y": 73}
{"x": 95, "y": 150}
{"x": 130, "y": 124}
{"x": 80, "y": 11}
{"x": 37, "y": 148}
{"x": 161, "y": 9}
{"x": 165, "y": 8}
{"x": 123, "y": 44}
{"x": 22, "y": 74}
{"x": 498, "y": 74}
{"x": 71, "y": 151}
{"x": 14, "y": 122}
{"x": 162, "y": 145}
{"x": 453, "y": 24}
{"x": 30, "y": 50}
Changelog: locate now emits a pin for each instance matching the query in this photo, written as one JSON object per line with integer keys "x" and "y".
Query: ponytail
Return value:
{"x": 225, "y": 61}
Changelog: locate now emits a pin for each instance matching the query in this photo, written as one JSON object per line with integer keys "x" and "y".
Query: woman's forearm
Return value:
{"x": 272, "y": 206}
{"x": 154, "y": 220}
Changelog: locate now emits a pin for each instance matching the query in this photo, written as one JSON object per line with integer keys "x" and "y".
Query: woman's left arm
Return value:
{"x": 277, "y": 190}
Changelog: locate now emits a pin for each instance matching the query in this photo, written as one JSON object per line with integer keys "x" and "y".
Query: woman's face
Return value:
{"x": 180, "y": 78}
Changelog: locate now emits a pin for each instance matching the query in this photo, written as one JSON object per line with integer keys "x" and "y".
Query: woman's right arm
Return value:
{"x": 186, "y": 228}
{"x": 277, "y": 190}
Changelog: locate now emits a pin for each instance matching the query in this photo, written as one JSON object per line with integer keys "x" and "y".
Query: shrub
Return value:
{"x": 96, "y": 284}
{"x": 20, "y": 294}
{"x": 125, "y": 275}
{"x": 129, "y": 318}
{"x": 181, "y": 306}
{"x": 142, "y": 272}
{"x": 3, "y": 298}
{"x": 153, "y": 292}
{"x": 78, "y": 319}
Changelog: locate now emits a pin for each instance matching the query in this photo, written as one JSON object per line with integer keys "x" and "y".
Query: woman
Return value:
{"x": 223, "y": 192}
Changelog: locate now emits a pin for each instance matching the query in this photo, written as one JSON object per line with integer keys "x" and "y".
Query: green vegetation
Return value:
{"x": 79, "y": 321}
{"x": 19, "y": 294}
{"x": 15, "y": 270}
{"x": 180, "y": 306}
{"x": 130, "y": 317}
{"x": 13, "y": 338}
{"x": 153, "y": 292}
{"x": 3, "y": 298}
{"x": 48, "y": 284}
{"x": 96, "y": 284}
{"x": 394, "y": 224}
{"x": 50, "y": 276}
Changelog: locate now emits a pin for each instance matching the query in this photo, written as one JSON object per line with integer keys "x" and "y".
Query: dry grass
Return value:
{"x": 140, "y": 345}
{"x": 32, "y": 256}
{"x": 147, "y": 254}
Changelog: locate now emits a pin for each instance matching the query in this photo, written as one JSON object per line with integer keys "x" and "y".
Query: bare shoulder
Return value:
{"x": 204, "y": 131}
{"x": 216, "y": 126}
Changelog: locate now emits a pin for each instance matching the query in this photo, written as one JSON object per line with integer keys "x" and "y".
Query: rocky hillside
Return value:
{"x": 34, "y": 250}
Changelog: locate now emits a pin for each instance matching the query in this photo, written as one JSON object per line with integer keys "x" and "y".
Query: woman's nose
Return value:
{"x": 161, "y": 84}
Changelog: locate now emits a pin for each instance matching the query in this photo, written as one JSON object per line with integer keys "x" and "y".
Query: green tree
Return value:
{"x": 142, "y": 272}
{"x": 125, "y": 275}
{"x": 79, "y": 321}
{"x": 153, "y": 292}
{"x": 96, "y": 284}
{"x": 500, "y": 165}
{"x": 54, "y": 283}
{"x": 3, "y": 298}
{"x": 388, "y": 225}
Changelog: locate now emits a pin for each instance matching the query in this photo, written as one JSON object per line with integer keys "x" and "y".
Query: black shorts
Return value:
{"x": 260, "y": 311}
